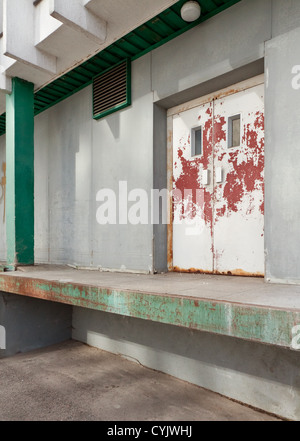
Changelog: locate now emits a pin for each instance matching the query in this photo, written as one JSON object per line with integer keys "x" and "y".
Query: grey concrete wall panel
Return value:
{"x": 217, "y": 83}
{"x": 32, "y": 323}
{"x": 285, "y": 16}
{"x": 160, "y": 183}
{"x": 227, "y": 42}
{"x": 282, "y": 175}
{"x": 42, "y": 140}
{"x": 75, "y": 158}
{"x": 259, "y": 375}
{"x": 69, "y": 168}
{"x": 2, "y": 199}
{"x": 123, "y": 151}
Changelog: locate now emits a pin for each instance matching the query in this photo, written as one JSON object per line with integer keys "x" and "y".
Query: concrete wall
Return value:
{"x": 224, "y": 50}
{"x": 160, "y": 231}
{"x": 2, "y": 201}
{"x": 228, "y": 41}
{"x": 262, "y": 376}
{"x": 27, "y": 324}
{"x": 228, "y": 49}
{"x": 75, "y": 157}
{"x": 282, "y": 173}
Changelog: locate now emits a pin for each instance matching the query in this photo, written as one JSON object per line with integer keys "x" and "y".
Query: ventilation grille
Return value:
{"x": 111, "y": 90}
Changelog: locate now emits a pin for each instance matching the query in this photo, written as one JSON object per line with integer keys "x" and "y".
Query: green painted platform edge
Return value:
{"x": 249, "y": 322}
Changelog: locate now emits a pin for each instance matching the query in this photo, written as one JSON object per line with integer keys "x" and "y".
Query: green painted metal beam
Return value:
{"x": 262, "y": 324}
{"x": 20, "y": 173}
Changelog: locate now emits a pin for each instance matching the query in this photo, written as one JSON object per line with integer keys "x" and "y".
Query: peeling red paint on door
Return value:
{"x": 192, "y": 200}
{"x": 219, "y": 129}
{"x": 246, "y": 175}
{"x": 239, "y": 198}
{"x": 227, "y": 207}
{"x": 189, "y": 177}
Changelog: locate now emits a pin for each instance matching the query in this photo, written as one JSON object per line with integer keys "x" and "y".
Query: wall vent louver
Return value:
{"x": 112, "y": 90}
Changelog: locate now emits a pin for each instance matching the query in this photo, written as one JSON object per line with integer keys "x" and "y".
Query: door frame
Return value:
{"x": 231, "y": 90}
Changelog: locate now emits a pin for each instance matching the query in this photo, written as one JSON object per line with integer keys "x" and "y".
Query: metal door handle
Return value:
{"x": 219, "y": 175}
{"x": 205, "y": 177}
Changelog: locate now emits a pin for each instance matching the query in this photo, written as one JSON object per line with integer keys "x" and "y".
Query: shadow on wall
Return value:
{"x": 114, "y": 124}
{"x": 69, "y": 174}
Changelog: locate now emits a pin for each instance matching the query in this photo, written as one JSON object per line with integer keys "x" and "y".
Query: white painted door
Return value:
{"x": 218, "y": 168}
{"x": 193, "y": 189}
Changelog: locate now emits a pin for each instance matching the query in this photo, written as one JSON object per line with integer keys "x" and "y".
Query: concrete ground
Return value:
{"x": 75, "y": 382}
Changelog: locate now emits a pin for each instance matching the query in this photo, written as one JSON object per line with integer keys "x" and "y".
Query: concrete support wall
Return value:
{"x": 227, "y": 49}
{"x": 27, "y": 324}
{"x": 2, "y": 199}
{"x": 282, "y": 174}
{"x": 160, "y": 184}
{"x": 75, "y": 158}
{"x": 262, "y": 376}
{"x": 226, "y": 42}
{"x": 224, "y": 50}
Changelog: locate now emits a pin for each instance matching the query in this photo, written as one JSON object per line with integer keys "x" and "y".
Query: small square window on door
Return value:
{"x": 234, "y": 131}
{"x": 196, "y": 141}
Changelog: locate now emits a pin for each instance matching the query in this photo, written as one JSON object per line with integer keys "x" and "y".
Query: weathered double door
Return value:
{"x": 218, "y": 185}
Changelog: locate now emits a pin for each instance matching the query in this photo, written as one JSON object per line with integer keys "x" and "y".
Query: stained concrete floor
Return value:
{"x": 74, "y": 382}
{"x": 243, "y": 290}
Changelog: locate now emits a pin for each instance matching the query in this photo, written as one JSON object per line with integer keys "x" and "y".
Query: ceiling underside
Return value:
{"x": 143, "y": 39}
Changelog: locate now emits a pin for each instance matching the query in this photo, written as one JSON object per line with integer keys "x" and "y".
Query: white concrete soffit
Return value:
{"x": 41, "y": 40}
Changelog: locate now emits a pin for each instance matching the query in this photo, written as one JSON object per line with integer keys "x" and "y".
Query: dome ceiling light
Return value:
{"x": 190, "y": 11}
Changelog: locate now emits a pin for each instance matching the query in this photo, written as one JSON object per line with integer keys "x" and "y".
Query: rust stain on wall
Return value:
{"x": 235, "y": 272}
{"x": 176, "y": 269}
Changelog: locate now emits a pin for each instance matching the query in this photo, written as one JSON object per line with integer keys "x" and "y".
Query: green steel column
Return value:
{"x": 20, "y": 173}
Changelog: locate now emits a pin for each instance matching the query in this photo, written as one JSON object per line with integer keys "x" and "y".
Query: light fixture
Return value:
{"x": 190, "y": 11}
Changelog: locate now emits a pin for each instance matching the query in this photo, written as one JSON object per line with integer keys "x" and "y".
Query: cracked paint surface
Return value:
{"x": 192, "y": 199}
{"x": 247, "y": 168}
{"x": 187, "y": 174}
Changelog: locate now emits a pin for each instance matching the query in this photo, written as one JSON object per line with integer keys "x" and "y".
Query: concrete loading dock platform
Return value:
{"x": 241, "y": 307}
{"x": 167, "y": 321}
{"x": 205, "y": 111}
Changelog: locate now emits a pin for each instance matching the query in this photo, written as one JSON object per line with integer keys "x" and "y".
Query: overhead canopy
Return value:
{"x": 157, "y": 31}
